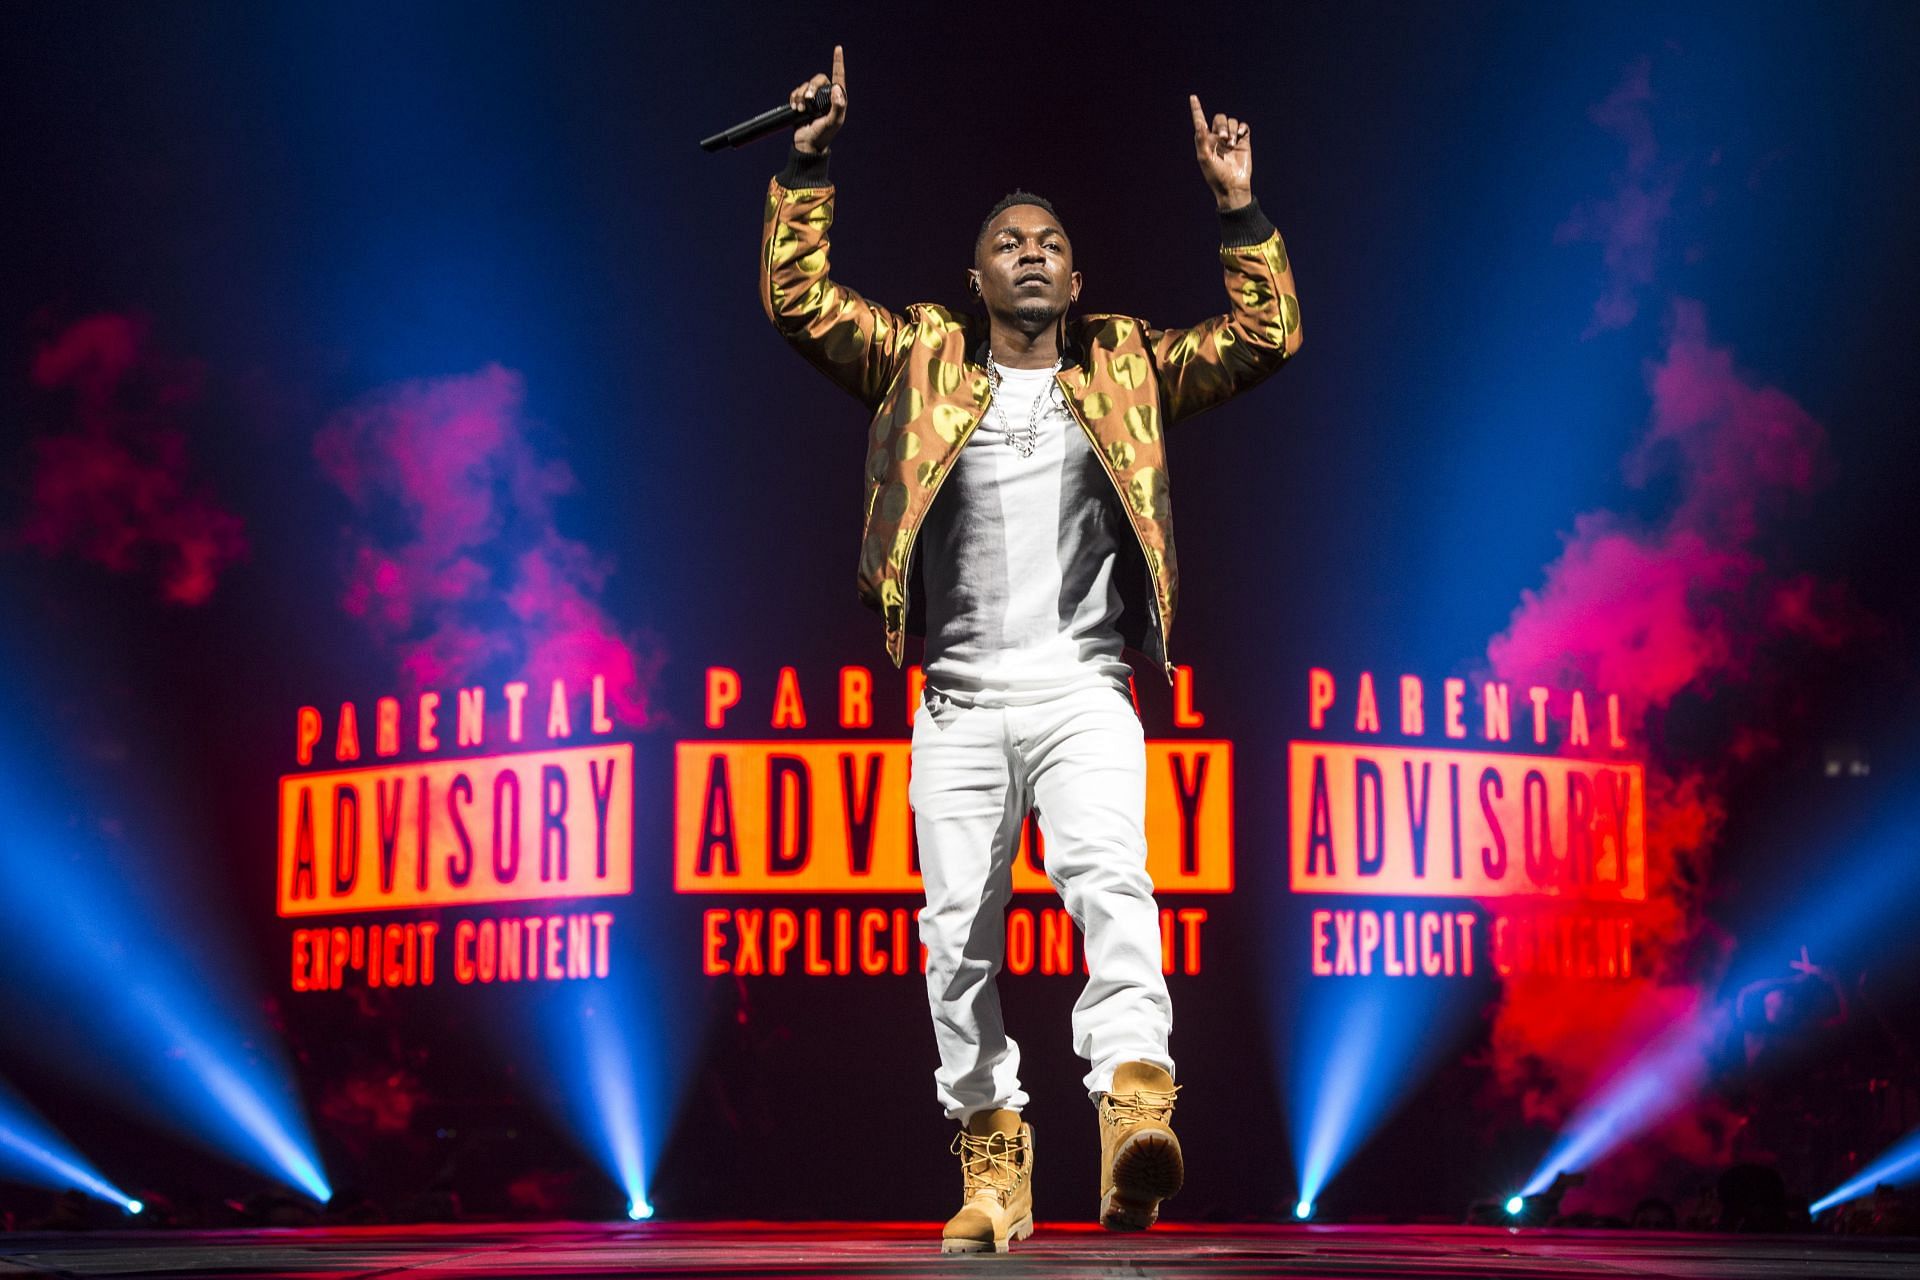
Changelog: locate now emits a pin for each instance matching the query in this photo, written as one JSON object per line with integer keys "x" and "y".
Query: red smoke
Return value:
{"x": 1650, "y": 609}
{"x": 455, "y": 561}
{"x": 115, "y": 489}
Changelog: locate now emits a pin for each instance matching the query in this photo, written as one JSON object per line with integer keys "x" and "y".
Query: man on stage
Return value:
{"x": 1027, "y": 450}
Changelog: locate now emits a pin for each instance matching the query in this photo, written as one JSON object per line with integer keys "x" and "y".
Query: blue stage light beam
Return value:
{"x": 1335, "y": 1104}
{"x": 1653, "y": 1084}
{"x": 610, "y": 1075}
{"x": 1898, "y": 1166}
{"x": 145, "y": 1015}
{"x": 32, "y": 1152}
{"x": 1863, "y": 900}
{"x": 598, "y": 1053}
{"x": 1361, "y": 1046}
{"x": 268, "y": 1130}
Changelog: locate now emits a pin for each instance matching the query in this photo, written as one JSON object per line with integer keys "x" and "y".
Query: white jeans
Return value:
{"x": 1079, "y": 759}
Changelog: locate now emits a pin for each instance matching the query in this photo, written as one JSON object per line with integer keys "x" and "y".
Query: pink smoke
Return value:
{"x": 1627, "y": 226}
{"x": 1687, "y": 603}
{"x": 454, "y": 558}
{"x": 114, "y": 487}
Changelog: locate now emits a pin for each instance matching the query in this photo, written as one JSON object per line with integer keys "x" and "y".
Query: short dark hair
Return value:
{"x": 1007, "y": 202}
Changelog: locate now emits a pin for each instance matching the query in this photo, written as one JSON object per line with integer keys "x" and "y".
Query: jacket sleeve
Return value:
{"x": 857, "y": 343}
{"x": 1218, "y": 358}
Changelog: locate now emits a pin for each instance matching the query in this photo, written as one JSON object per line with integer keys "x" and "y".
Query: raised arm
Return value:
{"x": 851, "y": 340}
{"x": 1218, "y": 358}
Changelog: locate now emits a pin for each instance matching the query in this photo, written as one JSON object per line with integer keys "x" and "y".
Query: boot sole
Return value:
{"x": 1146, "y": 1170}
{"x": 1018, "y": 1231}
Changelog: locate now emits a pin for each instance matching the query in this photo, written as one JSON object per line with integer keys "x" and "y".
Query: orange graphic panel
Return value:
{"x": 832, "y": 817}
{"x": 544, "y": 824}
{"x": 1470, "y": 824}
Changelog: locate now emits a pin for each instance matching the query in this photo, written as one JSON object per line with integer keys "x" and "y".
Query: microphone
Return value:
{"x": 770, "y": 122}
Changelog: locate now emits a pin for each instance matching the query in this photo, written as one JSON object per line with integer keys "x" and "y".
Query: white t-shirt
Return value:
{"x": 1019, "y": 556}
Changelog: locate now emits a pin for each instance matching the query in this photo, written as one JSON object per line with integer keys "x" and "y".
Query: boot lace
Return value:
{"x": 1138, "y": 1106}
{"x": 989, "y": 1163}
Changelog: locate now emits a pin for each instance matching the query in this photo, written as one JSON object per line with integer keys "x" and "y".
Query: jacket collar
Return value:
{"x": 1073, "y": 344}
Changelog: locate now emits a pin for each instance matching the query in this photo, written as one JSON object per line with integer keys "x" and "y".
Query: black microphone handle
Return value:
{"x": 770, "y": 122}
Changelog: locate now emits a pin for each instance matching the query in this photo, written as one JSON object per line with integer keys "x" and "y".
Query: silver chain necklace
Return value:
{"x": 1028, "y": 440}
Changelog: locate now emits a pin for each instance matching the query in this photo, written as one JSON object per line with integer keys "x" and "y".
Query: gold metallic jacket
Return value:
{"x": 923, "y": 376}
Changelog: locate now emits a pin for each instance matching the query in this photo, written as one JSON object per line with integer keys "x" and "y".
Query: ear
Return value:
{"x": 1073, "y": 294}
{"x": 973, "y": 283}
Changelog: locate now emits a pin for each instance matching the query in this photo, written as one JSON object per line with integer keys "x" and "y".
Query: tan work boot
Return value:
{"x": 996, "y": 1168}
{"x": 1140, "y": 1162}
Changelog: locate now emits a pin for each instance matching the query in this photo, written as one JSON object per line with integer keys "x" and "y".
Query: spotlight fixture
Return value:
{"x": 639, "y": 1210}
{"x": 135, "y": 1208}
{"x": 1524, "y": 1208}
{"x": 1303, "y": 1210}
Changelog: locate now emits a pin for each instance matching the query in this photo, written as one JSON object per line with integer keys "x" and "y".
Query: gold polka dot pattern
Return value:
{"x": 1129, "y": 370}
{"x": 950, "y": 421}
{"x": 844, "y": 341}
{"x": 1143, "y": 423}
{"x": 1147, "y": 491}
{"x": 912, "y": 404}
{"x": 1184, "y": 349}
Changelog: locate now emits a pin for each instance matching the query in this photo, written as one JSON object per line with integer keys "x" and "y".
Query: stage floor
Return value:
{"x": 905, "y": 1250}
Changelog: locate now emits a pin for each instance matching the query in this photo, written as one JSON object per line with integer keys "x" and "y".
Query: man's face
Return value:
{"x": 1025, "y": 265}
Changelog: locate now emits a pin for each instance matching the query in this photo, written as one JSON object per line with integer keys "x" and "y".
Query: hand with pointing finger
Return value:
{"x": 813, "y": 137}
{"x": 1225, "y": 152}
